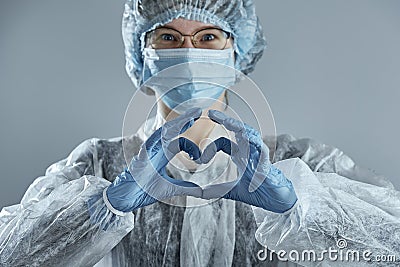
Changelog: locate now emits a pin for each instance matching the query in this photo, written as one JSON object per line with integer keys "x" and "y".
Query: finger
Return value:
{"x": 158, "y": 185}
{"x": 142, "y": 156}
{"x": 150, "y": 148}
{"x": 264, "y": 162}
{"x": 218, "y": 190}
{"x": 182, "y": 144}
{"x": 221, "y": 143}
{"x": 262, "y": 168}
{"x": 209, "y": 153}
{"x": 254, "y": 137}
{"x": 251, "y": 131}
{"x": 189, "y": 147}
{"x": 242, "y": 130}
{"x": 179, "y": 125}
{"x": 160, "y": 160}
{"x": 186, "y": 188}
{"x": 256, "y": 181}
{"x": 230, "y": 123}
{"x": 247, "y": 137}
{"x": 153, "y": 139}
{"x": 179, "y": 187}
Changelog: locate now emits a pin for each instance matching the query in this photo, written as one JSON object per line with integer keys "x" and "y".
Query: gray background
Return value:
{"x": 331, "y": 73}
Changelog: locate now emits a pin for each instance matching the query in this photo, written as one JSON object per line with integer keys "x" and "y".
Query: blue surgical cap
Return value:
{"x": 235, "y": 16}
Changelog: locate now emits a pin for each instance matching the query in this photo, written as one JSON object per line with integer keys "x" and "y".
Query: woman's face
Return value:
{"x": 189, "y": 27}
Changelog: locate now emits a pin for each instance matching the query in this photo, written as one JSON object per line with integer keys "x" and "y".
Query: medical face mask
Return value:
{"x": 188, "y": 77}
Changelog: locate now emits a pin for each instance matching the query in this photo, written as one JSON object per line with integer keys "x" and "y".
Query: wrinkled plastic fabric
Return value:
{"x": 51, "y": 225}
{"x": 338, "y": 202}
{"x": 332, "y": 211}
{"x": 237, "y": 17}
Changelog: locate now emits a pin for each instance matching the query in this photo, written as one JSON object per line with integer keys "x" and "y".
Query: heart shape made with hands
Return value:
{"x": 248, "y": 141}
{"x": 146, "y": 180}
{"x": 259, "y": 183}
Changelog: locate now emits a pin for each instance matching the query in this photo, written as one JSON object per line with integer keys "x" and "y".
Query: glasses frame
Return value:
{"x": 228, "y": 34}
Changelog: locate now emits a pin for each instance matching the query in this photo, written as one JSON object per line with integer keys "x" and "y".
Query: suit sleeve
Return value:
{"x": 52, "y": 226}
{"x": 332, "y": 212}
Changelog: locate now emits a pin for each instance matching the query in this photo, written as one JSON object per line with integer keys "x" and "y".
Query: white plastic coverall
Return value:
{"x": 336, "y": 199}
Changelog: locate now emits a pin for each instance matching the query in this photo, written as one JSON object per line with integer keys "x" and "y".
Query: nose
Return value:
{"x": 187, "y": 43}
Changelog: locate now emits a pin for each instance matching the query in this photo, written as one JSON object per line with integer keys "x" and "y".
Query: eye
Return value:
{"x": 208, "y": 37}
{"x": 167, "y": 37}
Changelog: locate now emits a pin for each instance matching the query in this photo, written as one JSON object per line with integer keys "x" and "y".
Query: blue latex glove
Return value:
{"x": 146, "y": 181}
{"x": 260, "y": 183}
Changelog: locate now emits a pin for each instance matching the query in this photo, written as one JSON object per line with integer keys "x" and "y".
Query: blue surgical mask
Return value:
{"x": 188, "y": 77}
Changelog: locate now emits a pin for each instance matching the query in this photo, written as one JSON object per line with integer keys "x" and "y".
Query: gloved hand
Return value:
{"x": 260, "y": 183}
{"x": 146, "y": 181}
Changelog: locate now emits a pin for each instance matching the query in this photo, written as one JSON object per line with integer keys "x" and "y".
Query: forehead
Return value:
{"x": 189, "y": 26}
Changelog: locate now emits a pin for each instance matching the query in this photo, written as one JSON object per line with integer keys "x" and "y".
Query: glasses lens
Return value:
{"x": 164, "y": 38}
{"x": 210, "y": 39}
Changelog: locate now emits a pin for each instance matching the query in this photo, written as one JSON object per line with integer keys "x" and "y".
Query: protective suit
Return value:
{"x": 62, "y": 219}
{"x": 337, "y": 199}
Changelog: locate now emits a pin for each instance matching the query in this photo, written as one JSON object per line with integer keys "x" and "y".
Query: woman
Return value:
{"x": 73, "y": 216}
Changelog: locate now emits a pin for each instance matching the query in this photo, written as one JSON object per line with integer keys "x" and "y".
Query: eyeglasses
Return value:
{"x": 209, "y": 38}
